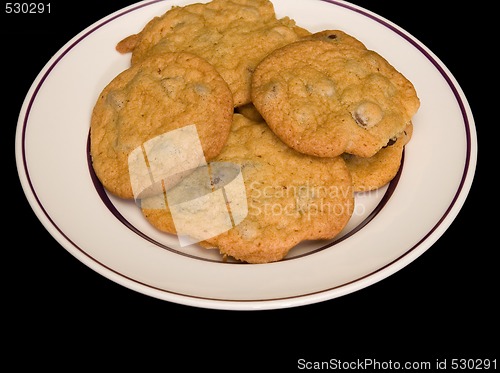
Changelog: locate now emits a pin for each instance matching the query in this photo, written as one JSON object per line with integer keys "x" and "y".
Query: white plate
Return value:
{"x": 390, "y": 228}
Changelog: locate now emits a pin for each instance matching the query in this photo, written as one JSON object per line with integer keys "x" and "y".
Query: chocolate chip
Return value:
{"x": 390, "y": 142}
{"x": 367, "y": 114}
{"x": 359, "y": 119}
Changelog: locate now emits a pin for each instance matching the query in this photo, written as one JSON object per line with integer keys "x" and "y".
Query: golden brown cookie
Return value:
{"x": 370, "y": 173}
{"x": 233, "y": 35}
{"x": 291, "y": 197}
{"x": 326, "y": 98}
{"x": 163, "y": 93}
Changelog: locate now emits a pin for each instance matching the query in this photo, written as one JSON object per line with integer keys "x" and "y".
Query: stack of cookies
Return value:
{"x": 308, "y": 119}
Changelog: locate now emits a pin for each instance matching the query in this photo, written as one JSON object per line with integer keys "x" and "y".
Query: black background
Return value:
{"x": 441, "y": 305}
